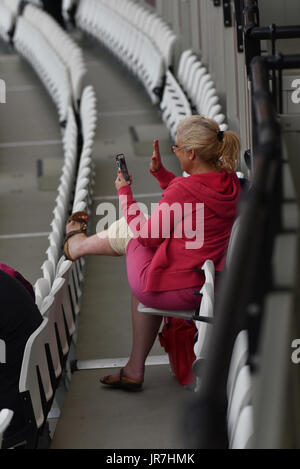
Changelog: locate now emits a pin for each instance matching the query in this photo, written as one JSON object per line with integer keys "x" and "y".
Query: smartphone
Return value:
{"x": 122, "y": 166}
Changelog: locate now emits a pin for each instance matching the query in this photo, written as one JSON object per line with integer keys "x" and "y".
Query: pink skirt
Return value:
{"x": 138, "y": 259}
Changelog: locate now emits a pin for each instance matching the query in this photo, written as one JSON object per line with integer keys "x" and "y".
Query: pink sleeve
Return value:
{"x": 163, "y": 176}
{"x": 157, "y": 228}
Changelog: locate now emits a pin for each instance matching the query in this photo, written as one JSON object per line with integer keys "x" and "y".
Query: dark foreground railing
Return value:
{"x": 245, "y": 284}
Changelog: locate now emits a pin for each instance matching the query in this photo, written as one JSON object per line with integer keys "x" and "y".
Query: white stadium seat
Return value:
{"x": 64, "y": 46}
{"x": 6, "y": 416}
{"x": 6, "y": 22}
{"x": 30, "y": 42}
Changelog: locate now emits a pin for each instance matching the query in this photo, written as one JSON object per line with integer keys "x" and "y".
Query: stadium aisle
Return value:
{"x": 31, "y": 158}
{"x": 94, "y": 416}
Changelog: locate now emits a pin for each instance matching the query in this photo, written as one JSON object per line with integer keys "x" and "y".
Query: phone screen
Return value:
{"x": 122, "y": 166}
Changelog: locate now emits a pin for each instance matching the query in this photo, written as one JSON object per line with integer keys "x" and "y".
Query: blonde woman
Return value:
{"x": 164, "y": 251}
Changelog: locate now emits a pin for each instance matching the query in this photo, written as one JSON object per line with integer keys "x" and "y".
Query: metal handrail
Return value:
{"x": 275, "y": 32}
{"x": 254, "y": 33}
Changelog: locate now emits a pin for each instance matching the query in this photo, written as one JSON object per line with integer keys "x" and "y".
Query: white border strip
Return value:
{"x": 119, "y": 362}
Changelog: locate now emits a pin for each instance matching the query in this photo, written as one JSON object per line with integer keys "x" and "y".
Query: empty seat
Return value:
{"x": 13, "y": 5}
{"x": 41, "y": 289}
{"x": 174, "y": 104}
{"x": 182, "y": 63}
{"x": 126, "y": 38}
{"x": 244, "y": 429}
{"x": 66, "y": 49}
{"x": 238, "y": 360}
{"x": 53, "y": 344}
{"x": 6, "y": 22}
{"x": 5, "y": 418}
{"x": 34, "y": 369}
{"x": 31, "y": 43}
{"x": 54, "y": 314}
{"x": 204, "y": 329}
{"x": 241, "y": 398}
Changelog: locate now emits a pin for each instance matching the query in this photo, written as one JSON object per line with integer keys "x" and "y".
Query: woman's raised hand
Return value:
{"x": 156, "y": 163}
{"x": 121, "y": 181}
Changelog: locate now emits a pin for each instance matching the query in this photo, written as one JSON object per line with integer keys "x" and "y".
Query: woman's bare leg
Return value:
{"x": 81, "y": 245}
{"x": 144, "y": 329}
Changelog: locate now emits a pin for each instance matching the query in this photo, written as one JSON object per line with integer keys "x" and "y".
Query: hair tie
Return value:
{"x": 220, "y": 135}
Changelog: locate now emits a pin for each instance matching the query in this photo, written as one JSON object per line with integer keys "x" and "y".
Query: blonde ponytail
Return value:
{"x": 218, "y": 148}
{"x": 229, "y": 151}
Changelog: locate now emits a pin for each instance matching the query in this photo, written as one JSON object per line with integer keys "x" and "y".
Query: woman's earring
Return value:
{"x": 190, "y": 158}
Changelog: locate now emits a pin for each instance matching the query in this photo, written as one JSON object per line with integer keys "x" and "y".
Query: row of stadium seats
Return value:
{"x": 58, "y": 291}
{"x": 128, "y": 42}
{"x": 240, "y": 413}
{"x": 199, "y": 87}
{"x": 140, "y": 17}
{"x": 174, "y": 105}
{"x": 31, "y": 43}
{"x": 6, "y": 22}
{"x": 152, "y": 25}
{"x": 9, "y": 10}
{"x": 60, "y": 61}
{"x": 64, "y": 46}
{"x": 13, "y": 5}
{"x": 74, "y": 194}
{"x": 192, "y": 90}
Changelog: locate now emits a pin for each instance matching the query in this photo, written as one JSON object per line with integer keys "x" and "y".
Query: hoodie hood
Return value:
{"x": 219, "y": 191}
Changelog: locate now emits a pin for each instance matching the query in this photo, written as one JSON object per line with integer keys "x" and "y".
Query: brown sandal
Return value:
{"x": 82, "y": 218}
{"x": 122, "y": 382}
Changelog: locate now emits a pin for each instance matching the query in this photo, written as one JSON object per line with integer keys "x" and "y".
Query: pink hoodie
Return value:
{"x": 205, "y": 208}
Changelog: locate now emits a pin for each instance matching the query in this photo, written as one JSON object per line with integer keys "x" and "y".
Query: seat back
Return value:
{"x": 62, "y": 301}
{"x": 6, "y": 22}
{"x": 5, "y": 418}
{"x": 182, "y": 63}
{"x": 48, "y": 269}
{"x": 241, "y": 398}
{"x": 232, "y": 240}
{"x": 41, "y": 289}
{"x": 35, "y": 373}
{"x": 239, "y": 395}
{"x": 244, "y": 429}
{"x": 238, "y": 360}
{"x": 56, "y": 317}
{"x": 206, "y": 310}
{"x": 46, "y": 308}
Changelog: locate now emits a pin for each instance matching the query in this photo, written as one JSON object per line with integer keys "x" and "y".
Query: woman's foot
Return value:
{"x": 76, "y": 234}
{"x": 124, "y": 379}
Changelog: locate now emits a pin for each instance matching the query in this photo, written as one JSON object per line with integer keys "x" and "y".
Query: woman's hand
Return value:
{"x": 156, "y": 163}
{"x": 121, "y": 182}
